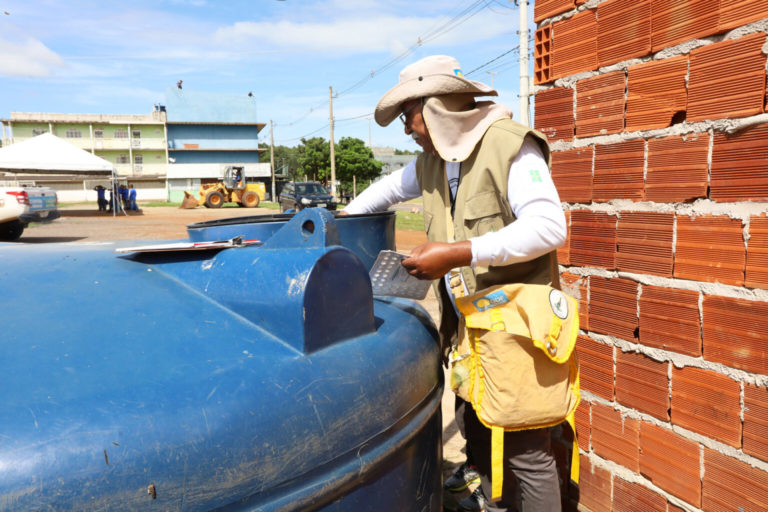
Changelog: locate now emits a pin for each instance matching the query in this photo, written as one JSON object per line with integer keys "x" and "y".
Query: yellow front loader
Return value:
{"x": 233, "y": 189}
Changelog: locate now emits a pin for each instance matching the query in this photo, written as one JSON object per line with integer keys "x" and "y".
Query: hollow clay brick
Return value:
{"x": 710, "y": 248}
{"x": 757, "y": 253}
{"x": 593, "y": 239}
{"x": 615, "y": 437}
{"x": 735, "y": 332}
{"x": 542, "y": 55}
{"x": 572, "y": 174}
{"x": 595, "y": 486}
{"x": 656, "y": 94}
{"x": 670, "y": 320}
{"x": 735, "y": 13}
{"x": 574, "y": 44}
{"x": 623, "y": 30}
{"x": 756, "y": 421}
{"x": 644, "y": 243}
{"x": 619, "y": 171}
{"x": 677, "y": 168}
{"x": 613, "y": 307}
{"x": 740, "y": 165}
{"x": 632, "y": 497}
{"x": 708, "y": 403}
{"x": 554, "y": 114}
{"x": 600, "y": 104}
{"x": 596, "y": 366}
{"x": 676, "y": 21}
{"x": 543, "y": 9}
{"x": 671, "y": 462}
{"x": 715, "y": 91}
{"x": 642, "y": 384}
{"x": 583, "y": 427}
{"x": 730, "y": 484}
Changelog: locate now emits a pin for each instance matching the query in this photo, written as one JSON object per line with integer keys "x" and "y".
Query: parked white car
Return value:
{"x": 20, "y": 205}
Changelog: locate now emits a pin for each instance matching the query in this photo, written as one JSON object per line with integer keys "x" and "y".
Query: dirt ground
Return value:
{"x": 82, "y": 224}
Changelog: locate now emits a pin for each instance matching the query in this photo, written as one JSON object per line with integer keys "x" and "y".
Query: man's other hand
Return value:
{"x": 433, "y": 260}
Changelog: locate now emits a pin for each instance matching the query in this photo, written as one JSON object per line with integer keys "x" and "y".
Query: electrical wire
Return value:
{"x": 465, "y": 14}
{"x": 516, "y": 48}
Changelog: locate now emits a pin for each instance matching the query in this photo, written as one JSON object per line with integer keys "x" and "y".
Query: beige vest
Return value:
{"x": 481, "y": 206}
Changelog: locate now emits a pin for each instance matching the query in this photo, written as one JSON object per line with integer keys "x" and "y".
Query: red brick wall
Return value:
{"x": 656, "y": 115}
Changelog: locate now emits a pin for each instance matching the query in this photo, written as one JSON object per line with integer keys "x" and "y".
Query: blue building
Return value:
{"x": 207, "y": 132}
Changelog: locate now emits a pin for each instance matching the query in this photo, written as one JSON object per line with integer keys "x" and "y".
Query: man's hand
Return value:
{"x": 434, "y": 259}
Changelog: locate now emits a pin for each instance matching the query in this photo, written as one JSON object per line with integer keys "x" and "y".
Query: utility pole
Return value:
{"x": 333, "y": 155}
{"x": 272, "y": 158}
{"x": 524, "y": 63}
{"x": 492, "y": 73}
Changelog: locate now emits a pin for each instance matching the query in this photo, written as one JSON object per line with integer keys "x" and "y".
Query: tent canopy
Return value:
{"x": 48, "y": 154}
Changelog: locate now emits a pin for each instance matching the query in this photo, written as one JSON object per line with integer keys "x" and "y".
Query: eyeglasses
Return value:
{"x": 404, "y": 116}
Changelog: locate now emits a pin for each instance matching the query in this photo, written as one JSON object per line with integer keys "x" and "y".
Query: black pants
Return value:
{"x": 528, "y": 465}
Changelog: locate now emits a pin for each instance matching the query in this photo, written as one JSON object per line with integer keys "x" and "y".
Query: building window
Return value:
{"x": 74, "y": 134}
{"x": 121, "y": 134}
{"x": 99, "y": 134}
{"x": 138, "y": 159}
{"x": 38, "y": 131}
{"x": 122, "y": 159}
{"x": 136, "y": 134}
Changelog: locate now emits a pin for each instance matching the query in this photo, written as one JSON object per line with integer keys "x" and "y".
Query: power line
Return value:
{"x": 516, "y": 48}
{"x": 467, "y": 13}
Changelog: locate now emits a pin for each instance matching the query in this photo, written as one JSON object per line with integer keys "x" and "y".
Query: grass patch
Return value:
{"x": 409, "y": 221}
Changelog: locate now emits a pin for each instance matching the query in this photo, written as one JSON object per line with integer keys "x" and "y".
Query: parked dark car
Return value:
{"x": 307, "y": 194}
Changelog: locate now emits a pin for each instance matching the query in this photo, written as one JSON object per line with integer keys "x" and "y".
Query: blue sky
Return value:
{"x": 80, "y": 56}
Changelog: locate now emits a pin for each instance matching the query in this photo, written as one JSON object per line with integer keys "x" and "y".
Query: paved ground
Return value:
{"x": 83, "y": 224}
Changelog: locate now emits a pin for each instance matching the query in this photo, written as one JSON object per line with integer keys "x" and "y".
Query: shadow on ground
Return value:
{"x": 95, "y": 213}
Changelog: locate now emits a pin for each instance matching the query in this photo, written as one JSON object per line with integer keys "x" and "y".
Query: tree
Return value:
{"x": 353, "y": 158}
{"x": 314, "y": 159}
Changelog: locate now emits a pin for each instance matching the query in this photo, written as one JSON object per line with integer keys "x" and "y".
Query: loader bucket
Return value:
{"x": 189, "y": 201}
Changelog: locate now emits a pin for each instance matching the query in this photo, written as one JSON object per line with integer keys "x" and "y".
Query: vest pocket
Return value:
{"x": 482, "y": 214}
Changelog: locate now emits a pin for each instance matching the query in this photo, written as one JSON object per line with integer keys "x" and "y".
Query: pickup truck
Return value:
{"x": 20, "y": 205}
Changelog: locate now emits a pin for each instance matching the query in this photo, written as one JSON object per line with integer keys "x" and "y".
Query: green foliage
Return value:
{"x": 314, "y": 159}
{"x": 406, "y": 152}
{"x": 353, "y": 158}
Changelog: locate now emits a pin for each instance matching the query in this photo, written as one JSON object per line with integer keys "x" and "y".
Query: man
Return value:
{"x": 101, "y": 199}
{"x": 492, "y": 216}
{"x": 132, "y": 198}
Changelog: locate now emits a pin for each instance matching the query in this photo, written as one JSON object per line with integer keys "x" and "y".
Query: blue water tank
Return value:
{"x": 363, "y": 234}
{"x": 256, "y": 378}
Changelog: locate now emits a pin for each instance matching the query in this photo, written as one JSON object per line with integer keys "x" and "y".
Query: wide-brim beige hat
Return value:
{"x": 431, "y": 76}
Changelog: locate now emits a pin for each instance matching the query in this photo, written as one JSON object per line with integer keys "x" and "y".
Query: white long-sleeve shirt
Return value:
{"x": 540, "y": 225}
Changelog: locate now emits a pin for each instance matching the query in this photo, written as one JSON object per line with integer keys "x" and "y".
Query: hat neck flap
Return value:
{"x": 456, "y": 123}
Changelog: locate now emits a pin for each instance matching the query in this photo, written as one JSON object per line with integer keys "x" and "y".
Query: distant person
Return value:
{"x": 123, "y": 191}
{"x": 101, "y": 199}
{"x": 132, "y": 198}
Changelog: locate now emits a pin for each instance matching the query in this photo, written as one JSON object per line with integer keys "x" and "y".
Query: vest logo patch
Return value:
{"x": 535, "y": 175}
{"x": 559, "y": 304}
{"x": 491, "y": 300}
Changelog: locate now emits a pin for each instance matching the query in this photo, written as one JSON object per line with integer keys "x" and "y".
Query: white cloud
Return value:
{"x": 382, "y": 33}
{"x": 28, "y": 58}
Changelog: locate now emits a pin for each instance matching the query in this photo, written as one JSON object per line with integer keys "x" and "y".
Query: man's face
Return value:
{"x": 416, "y": 127}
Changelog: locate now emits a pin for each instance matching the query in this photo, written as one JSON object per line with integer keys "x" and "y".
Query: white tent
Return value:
{"x": 48, "y": 154}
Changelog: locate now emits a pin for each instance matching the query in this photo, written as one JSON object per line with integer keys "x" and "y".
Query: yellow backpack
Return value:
{"x": 515, "y": 363}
